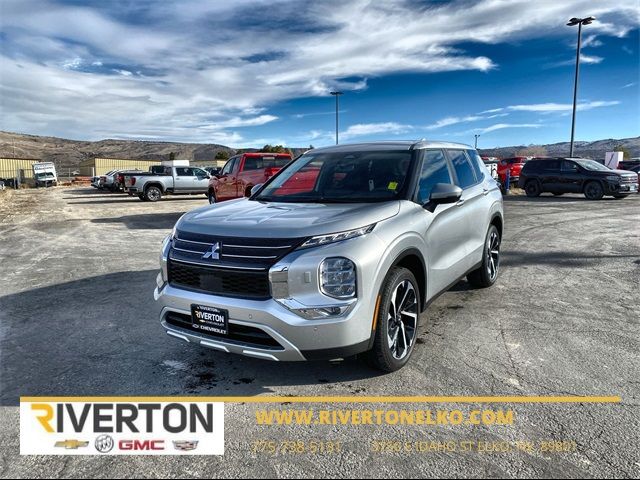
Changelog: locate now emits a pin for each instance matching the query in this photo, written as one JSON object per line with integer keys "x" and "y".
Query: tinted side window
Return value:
{"x": 434, "y": 170}
{"x": 252, "y": 163}
{"x": 569, "y": 167}
{"x": 550, "y": 166}
{"x": 478, "y": 165}
{"x": 464, "y": 170}
{"x": 184, "y": 172}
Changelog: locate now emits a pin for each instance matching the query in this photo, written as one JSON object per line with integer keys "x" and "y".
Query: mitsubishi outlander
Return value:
{"x": 337, "y": 254}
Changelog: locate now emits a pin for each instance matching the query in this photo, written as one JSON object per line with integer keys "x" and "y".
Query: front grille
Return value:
{"x": 219, "y": 281}
{"x": 238, "y": 334}
{"x": 255, "y": 253}
{"x": 627, "y": 179}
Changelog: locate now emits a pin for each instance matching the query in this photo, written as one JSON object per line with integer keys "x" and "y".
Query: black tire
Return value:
{"x": 142, "y": 197}
{"x": 388, "y": 354}
{"x": 152, "y": 193}
{"x": 620, "y": 195}
{"x": 557, "y": 194}
{"x": 593, "y": 191}
{"x": 532, "y": 189}
{"x": 211, "y": 195}
{"x": 487, "y": 274}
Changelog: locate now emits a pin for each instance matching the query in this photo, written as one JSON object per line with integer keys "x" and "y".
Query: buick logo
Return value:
{"x": 213, "y": 253}
{"x": 104, "y": 444}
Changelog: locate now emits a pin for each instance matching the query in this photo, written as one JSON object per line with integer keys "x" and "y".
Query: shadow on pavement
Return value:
{"x": 145, "y": 221}
{"x": 100, "y": 336}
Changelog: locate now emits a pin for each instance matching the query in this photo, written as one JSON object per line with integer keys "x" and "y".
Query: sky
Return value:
{"x": 245, "y": 73}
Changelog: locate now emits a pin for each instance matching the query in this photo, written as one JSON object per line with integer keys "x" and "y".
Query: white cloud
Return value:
{"x": 500, "y": 126}
{"x": 363, "y": 129}
{"x": 561, "y": 107}
{"x": 200, "y": 73}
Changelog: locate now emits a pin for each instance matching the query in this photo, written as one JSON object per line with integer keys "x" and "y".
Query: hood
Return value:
{"x": 250, "y": 218}
{"x": 622, "y": 173}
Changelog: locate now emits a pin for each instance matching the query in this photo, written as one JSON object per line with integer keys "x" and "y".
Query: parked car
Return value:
{"x": 151, "y": 186}
{"x": 576, "y": 175}
{"x": 1, "y": 185}
{"x": 337, "y": 266}
{"x": 513, "y": 165}
{"x": 242, "y": 172}
{"x": 118, "y": 178}
{"x": 635, "y": 169}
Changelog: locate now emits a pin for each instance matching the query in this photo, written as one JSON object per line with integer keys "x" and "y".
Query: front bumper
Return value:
{"x": 624, "y": 188}
{"x": 298, "y": 339}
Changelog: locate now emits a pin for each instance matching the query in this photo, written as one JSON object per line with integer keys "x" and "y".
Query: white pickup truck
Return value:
{"x": 151, "y": 186}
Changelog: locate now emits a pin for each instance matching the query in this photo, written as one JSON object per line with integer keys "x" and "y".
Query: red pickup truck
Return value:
{"x": 243, "y": 172}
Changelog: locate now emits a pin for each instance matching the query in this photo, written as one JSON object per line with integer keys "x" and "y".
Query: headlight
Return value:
{"x": 338, "y": 277}
{"x": 613, "y": 178}
{"x": 337, "y": 237}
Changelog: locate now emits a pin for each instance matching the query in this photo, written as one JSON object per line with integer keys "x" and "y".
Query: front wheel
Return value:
{"x": 487, "y": 274}
{"x": 211, "y": 195}
{"x": 396, "y": 322}
{"x": 593, "y": 191}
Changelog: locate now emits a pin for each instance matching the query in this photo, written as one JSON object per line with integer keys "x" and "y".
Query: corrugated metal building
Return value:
{"x": 20, "y": 168}
{"x": 100, "y": 166}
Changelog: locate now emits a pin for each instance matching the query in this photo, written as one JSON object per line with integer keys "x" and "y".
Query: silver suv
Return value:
{"x": 336, "y": 255}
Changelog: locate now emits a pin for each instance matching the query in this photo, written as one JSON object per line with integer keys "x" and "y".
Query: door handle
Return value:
{"x": 485, "y": 191}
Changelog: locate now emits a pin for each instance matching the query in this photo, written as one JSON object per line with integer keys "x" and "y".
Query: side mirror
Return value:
{"x": 255, "y": 189}
{"x": 443, "y": 193}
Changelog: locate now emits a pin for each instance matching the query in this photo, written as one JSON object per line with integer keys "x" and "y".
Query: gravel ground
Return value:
{"x": 77, "y": 317}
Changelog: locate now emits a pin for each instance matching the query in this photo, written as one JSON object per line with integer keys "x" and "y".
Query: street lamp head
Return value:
{"x": 336, "y": 93}
{"x": 584, "y": 21}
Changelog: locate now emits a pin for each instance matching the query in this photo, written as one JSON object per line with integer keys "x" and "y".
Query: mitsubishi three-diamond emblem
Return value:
{"x": 213, "y": 253}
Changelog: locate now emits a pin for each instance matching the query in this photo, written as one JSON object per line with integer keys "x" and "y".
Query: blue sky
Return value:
{"x": 251, "y": 72}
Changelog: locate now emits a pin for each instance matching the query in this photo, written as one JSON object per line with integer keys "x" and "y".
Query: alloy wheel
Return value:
{"x": 493, "y": 255}
{"x": 402, "y": 319}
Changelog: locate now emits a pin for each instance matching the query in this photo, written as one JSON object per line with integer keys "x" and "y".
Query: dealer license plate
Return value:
{"x": 210, "y": 319}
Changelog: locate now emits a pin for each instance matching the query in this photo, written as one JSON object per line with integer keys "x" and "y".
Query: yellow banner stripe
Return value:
{"x": 346, "y": 399}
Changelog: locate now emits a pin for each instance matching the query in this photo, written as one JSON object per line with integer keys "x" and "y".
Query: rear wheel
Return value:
{"x": 487, "y": 274}
{"x": 593, "y": 191}
{"x": 212, "y": 197}
{"x": 397, "y": 321}
{"x": 153, "y": 194}
{"x": 532, "y": 189}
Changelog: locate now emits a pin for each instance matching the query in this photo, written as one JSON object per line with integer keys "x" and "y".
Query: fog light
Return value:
{"x": 338, "y": 277}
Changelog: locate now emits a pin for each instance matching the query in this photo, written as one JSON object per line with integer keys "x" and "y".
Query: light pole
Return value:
{"x": 476, "y": 142}
{"x": 336, "y": 94}
{"x": 572, "y": 23}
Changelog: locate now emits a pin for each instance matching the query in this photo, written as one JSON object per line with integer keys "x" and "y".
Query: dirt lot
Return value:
{"x": 77, "y": 317}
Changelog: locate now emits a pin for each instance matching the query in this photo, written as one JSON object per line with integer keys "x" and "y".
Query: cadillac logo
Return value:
{"x": 186, "y": 445}
{"x": 213, "y": 253}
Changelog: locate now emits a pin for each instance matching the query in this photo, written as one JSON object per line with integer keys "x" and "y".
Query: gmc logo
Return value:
{"x": 141, "y": 445}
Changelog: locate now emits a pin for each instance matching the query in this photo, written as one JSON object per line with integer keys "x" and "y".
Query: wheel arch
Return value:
{"x": 413, "y": 260}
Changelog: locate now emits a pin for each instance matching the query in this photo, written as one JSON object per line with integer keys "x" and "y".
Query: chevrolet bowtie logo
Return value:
{"x": 71, "y": 444}
{"x": 213, "y": 253}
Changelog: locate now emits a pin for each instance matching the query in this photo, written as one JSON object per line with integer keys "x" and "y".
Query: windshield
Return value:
{"x": 340, "y": 177}
{"x": 592, "y": 165}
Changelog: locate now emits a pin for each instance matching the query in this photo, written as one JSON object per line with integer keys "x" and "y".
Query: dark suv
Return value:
{"x": 576, "y": 175}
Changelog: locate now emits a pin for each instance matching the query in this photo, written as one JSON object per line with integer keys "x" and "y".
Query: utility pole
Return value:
{"x": 337, "y": 94}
